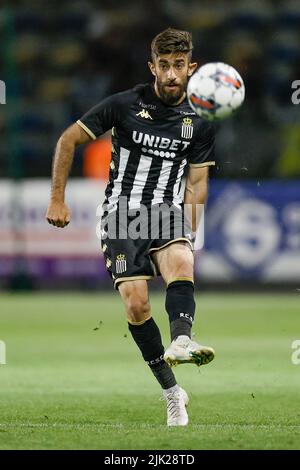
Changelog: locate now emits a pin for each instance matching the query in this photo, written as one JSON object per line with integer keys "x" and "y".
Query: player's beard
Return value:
{"x": 171, "y": 96}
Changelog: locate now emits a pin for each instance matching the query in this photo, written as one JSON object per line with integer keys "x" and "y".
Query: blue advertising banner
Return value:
{"x": 252, "y": 231}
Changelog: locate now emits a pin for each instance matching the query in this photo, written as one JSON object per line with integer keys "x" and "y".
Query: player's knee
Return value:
{"x": 138, "y": 308}
{"x": 180, "y": 261}
{"x": 182, "y": 268}
{"x": 136, "y": 303}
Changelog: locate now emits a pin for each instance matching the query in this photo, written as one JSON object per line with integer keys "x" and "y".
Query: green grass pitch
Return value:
{"x": 74, "y": 379}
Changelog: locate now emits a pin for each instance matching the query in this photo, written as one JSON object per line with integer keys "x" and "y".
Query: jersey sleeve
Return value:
{"x": 203, "y": 151}
{"x": 102, "y": 117}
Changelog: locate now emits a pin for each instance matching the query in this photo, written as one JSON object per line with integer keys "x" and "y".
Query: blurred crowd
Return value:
{"x": 61, "y": 57}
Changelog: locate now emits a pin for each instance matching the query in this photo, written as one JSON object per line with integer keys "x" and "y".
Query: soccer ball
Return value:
{"x": 215, "y": 91}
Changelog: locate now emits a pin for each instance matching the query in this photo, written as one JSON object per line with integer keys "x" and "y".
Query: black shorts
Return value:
{"x": 128, "y": 256}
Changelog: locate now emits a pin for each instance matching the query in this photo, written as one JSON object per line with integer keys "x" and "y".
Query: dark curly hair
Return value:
{"x": 172, "y": 40}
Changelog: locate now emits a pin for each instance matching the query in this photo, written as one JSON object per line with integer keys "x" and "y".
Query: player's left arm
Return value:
{"x": 195, "y": 195}
{"x": 202, "y": 156}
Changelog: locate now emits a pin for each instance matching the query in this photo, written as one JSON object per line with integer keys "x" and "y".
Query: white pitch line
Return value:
{"x": 146, "y": 426}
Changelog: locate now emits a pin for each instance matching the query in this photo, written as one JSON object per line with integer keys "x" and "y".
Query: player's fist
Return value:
{"x": 58, "y": 214}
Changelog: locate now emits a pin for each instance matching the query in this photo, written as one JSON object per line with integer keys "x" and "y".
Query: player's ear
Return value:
{"x": 152, "y": 68}
{"x": 192, "y": 67}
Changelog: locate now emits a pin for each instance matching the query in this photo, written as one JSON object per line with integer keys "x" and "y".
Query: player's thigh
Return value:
{"x": 175, "y": 261}
{"x": 135, "y": 297}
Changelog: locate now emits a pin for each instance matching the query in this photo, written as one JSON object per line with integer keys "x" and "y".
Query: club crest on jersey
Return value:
{"x": 144, "y": 114}
{"x": 187, "y": 128}
{"x": 121, "y": 264}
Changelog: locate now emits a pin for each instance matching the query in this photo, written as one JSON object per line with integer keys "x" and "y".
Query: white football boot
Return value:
{"x": 183, "y": 350}
{"x": 177, "y": 400}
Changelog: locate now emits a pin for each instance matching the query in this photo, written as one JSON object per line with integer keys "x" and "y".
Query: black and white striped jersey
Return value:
{"x": 151, "y": 145}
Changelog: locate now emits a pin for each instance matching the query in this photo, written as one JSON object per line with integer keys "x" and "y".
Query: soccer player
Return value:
{"x": 155, "y": 134}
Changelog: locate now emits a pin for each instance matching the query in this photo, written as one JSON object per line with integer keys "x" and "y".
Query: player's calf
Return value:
{"x": 180, "y": 305}
{"x": 135, "y": 298}
{"x": 148, "y": 339}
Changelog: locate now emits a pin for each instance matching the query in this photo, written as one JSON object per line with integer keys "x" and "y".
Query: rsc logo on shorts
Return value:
{"x": 121, "y": 264}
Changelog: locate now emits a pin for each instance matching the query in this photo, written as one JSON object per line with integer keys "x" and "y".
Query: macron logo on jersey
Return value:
{"x": 144, "y": 114}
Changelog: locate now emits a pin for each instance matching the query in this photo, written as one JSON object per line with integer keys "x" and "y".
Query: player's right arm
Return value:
{"x": 90, "y": 126}
{"x": 58, "y": 213}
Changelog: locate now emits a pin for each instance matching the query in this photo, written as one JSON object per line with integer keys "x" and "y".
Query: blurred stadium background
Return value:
{"x": 59, "y": 59}
{"x": 58, "y": 63}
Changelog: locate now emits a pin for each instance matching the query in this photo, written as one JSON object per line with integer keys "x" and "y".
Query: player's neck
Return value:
{"x": 181, "y": 99}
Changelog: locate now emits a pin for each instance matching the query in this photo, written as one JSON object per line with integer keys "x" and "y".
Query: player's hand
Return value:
{"x": 58, "y": 214}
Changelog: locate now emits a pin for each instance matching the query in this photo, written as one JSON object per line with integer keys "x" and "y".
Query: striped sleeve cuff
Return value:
{"x": 200, "y": 165}
{"x": 86, "y": 129}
